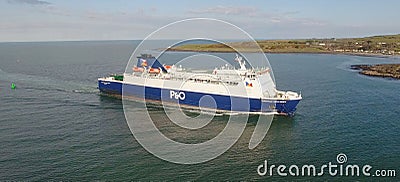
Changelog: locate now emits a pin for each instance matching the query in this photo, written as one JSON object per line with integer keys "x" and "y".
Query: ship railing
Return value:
{"x": 218, "y": 80}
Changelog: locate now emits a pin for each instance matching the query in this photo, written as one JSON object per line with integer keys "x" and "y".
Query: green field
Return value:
{"x": 376, "y": 45}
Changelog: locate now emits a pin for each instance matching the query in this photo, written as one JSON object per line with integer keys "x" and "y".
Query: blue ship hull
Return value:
{"x": 222, "y": 102}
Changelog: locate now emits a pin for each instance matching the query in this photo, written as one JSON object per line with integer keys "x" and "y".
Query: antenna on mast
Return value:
{"x": 241, "y": 63}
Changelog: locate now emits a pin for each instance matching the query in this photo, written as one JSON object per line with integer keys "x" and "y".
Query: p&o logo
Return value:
{"x": 177, "y": 95}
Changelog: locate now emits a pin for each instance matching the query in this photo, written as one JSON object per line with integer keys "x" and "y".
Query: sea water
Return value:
{"x": 56, "y": 126}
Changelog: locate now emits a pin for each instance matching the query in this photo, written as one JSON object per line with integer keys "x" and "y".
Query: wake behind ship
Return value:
{"x": 225, "y": 89}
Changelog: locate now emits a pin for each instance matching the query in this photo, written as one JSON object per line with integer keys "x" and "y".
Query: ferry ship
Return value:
{"x": 228, "y": 89}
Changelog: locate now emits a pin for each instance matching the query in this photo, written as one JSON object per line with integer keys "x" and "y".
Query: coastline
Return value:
{"x": 292, "y": 52}
{"x": 384, "y": 46}
{"x": 376, "y": 70}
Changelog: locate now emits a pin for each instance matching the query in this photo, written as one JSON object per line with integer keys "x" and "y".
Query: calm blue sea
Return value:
{"x": 56, "y": 126}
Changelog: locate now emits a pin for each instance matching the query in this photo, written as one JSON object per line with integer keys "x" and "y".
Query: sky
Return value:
{"x": 70, "y": 20}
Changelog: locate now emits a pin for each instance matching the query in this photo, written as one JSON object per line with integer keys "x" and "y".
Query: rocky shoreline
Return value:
{"x": 379, "y": 70}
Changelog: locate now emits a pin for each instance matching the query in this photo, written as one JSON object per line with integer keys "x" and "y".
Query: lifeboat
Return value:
{"x": 137, "y": 69}
{"x": 167, "y": 67}
{"x": 154, "y": 70}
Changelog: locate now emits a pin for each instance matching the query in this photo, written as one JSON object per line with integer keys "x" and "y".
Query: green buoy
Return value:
{"x": 13, "y": 86}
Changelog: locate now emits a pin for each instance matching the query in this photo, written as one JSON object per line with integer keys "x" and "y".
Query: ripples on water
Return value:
{"x": 56, "y": 126}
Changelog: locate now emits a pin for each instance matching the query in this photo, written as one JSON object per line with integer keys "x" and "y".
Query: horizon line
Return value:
{"x": 110, "y": 40}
